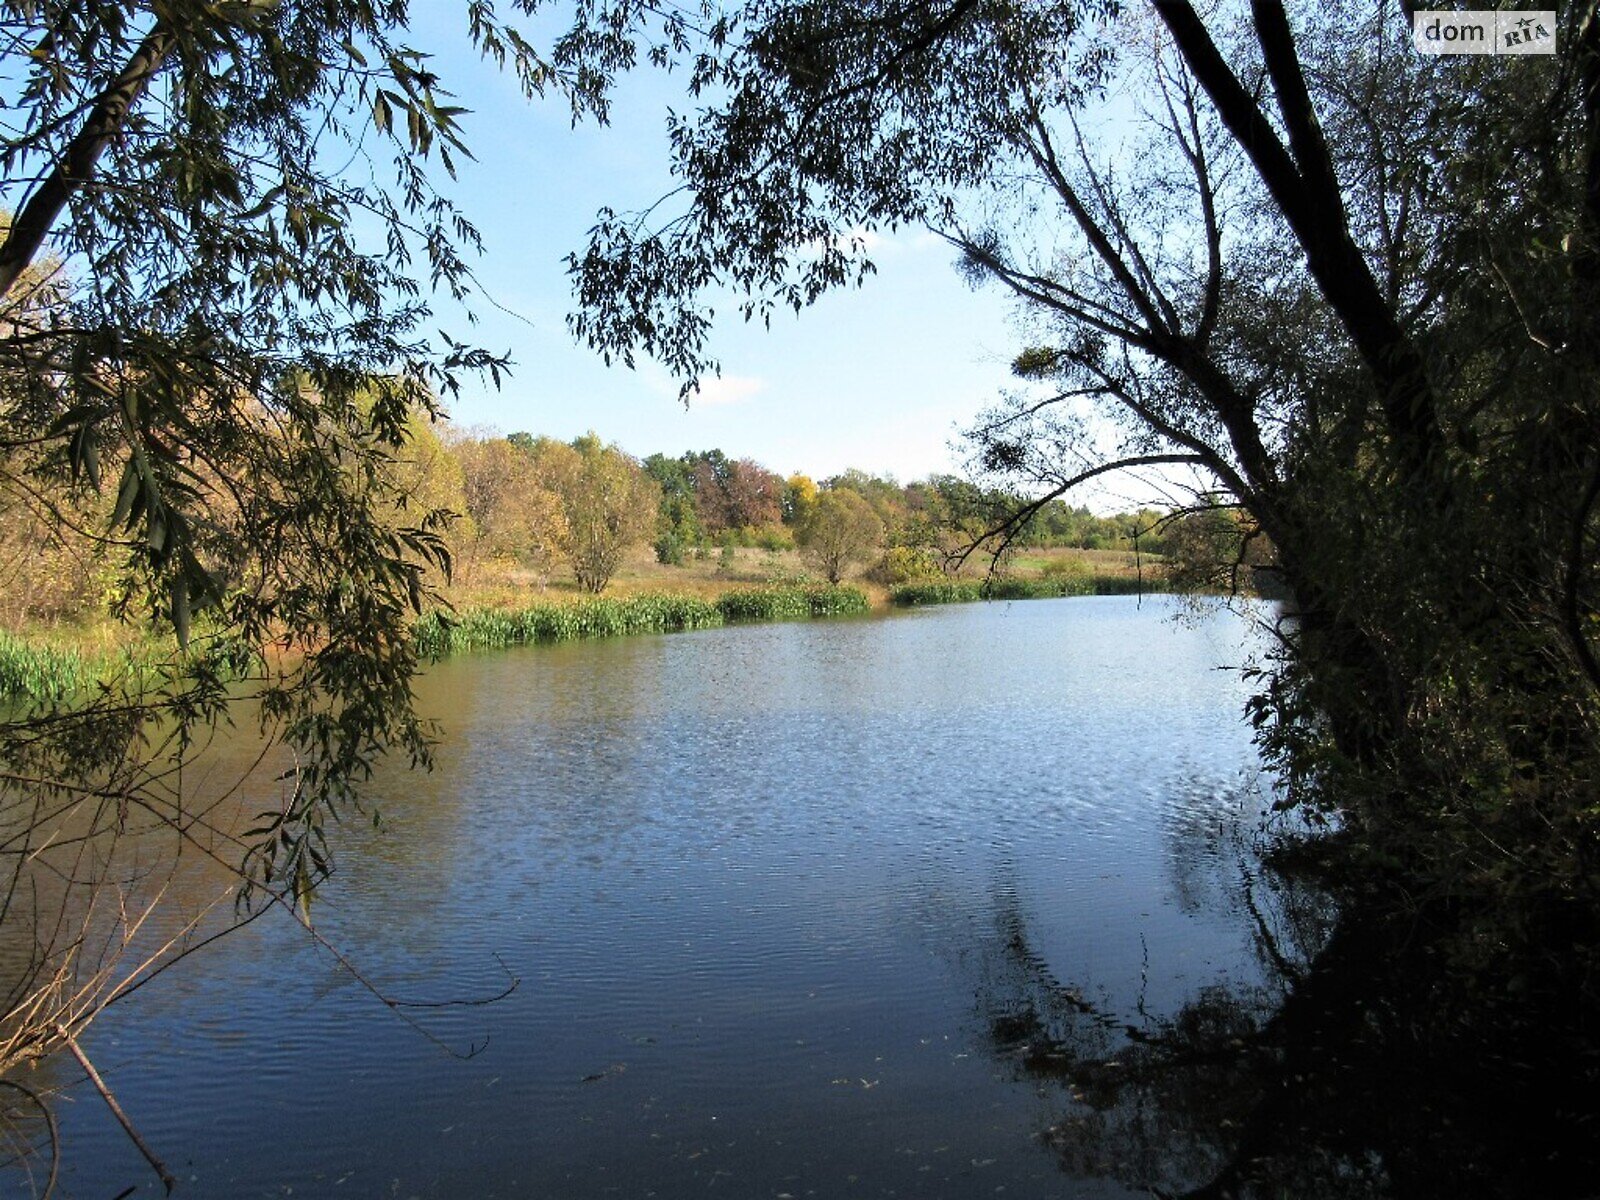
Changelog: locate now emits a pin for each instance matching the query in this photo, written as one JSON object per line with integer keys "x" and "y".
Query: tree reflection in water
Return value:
{"x": 1371, "y": 1063}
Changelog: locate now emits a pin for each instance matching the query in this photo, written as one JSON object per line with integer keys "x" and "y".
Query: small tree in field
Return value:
{"x": 840, "y": 530}
{"x": 609, "y": 503}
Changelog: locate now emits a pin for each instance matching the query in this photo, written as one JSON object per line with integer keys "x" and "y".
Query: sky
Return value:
{"x": 881, "y": 378}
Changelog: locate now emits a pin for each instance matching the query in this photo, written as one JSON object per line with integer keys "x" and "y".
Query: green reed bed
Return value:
{"x": 42, "y": 674}
{"x": 951, "y": 591}
{"x": 38, "y": 673}
{"x": 791, "y": 603}
{"x": 492, "y": 629}
{"x": 944, "y": 591}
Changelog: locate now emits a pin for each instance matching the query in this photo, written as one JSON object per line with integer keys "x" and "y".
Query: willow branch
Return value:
{"x": 77, "y": 163}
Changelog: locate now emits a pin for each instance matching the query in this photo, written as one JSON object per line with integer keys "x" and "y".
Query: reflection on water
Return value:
{"x": 1164, "y": 1101}
{"x": 951, "y": 904}
{"x": 1369, "y": 1061}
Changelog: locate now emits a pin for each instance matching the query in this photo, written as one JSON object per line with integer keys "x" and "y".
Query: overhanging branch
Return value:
{"x": 1008, "y": 529}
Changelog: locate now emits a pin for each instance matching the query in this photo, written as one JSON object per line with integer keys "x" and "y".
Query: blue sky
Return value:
{"x": 879, "y": 378}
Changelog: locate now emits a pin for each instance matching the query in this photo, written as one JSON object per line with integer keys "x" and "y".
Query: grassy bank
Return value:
{"x": 55, "y": 665}
{"x": 494, "y": 628}
{"x": 500, "y": 585}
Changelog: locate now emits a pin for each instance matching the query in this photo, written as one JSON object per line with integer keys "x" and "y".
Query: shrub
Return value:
{"x": 906, "y": 564}
{"x": 670, "y": 549}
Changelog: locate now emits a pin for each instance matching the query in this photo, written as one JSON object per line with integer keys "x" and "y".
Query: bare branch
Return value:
{"x": 160, "y": 1168}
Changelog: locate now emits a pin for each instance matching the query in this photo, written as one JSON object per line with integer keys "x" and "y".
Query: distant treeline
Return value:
{"x": 523, "y": 508}
{"x": 709, "y": 498}
{"x": 542, "y": 504}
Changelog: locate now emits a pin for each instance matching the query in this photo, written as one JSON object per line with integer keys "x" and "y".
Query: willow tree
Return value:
{"x": 211, "y": 345}
{"x": 1354, "y": 289}
{"x": 1350, "y": 286}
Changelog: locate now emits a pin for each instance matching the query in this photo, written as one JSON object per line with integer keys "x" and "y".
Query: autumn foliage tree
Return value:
{"x": 839, "y": 531}
{"x": 608, "y": 504}
{"x": 512, "y": 513}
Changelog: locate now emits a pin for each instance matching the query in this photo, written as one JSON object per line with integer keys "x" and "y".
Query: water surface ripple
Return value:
{"x": 773, "y": 893}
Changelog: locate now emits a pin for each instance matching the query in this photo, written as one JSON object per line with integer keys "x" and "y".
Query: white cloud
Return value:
{"x": 726, "y": 389}
{"x": 716, "y": 391}
{"x": 871, "y": 240}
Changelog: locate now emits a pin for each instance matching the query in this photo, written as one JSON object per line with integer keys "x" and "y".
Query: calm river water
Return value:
{"x": 861, "y": 908}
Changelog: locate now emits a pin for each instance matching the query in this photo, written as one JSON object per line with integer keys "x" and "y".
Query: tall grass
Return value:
{"x": 41, "y": 673}
{"x": 943, "y": 591}
{"x": 38, "y": 673}
{"x": 492, "y": 628}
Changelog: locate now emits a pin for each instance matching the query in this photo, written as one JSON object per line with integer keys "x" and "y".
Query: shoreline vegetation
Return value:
{"x": 50, "y": 672}
{"x": 964, "y": 591}
{"x": 52, "y": 667}
{"x": 439, "y": 634}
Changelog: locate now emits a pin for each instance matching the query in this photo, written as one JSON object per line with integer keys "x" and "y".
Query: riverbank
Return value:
{"x": 56, "y": 665}
{"x": 54, "y": 669}
{"x": 489, "y": 627}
